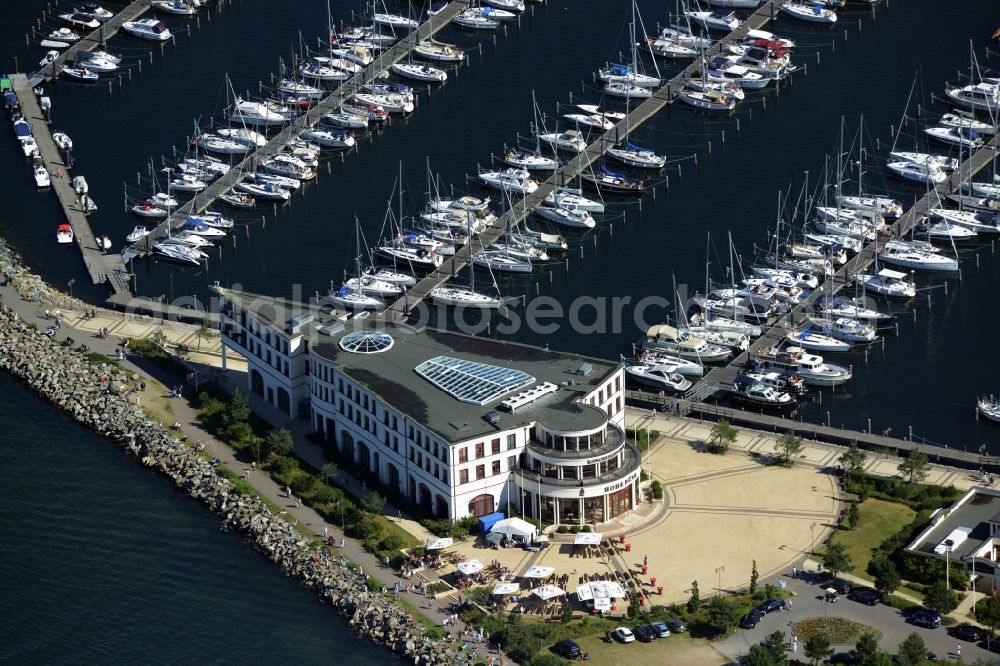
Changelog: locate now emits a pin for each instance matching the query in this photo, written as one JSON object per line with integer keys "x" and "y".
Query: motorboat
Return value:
{"x": 846, "y": 329}
{"x": 592, "y": 121}
{"x": 347, "y": 119}
{"x": 660, "y": 376}
{"x": 507, "y": 5}
{"x": 149, "y": 29}
{"x": 612, "y": 182}
{"x": 356, "y": 53}
{"x": 186, "y": 183}
{"x": 779, "y": 381}
{"x": 211, "y": 219}
{"x": 813, "y": 340}
{"x": 810, "y": 367}
{"x": 980, "y": 221}
{"x": 62, "y": 141}
{"x": 941, "y": 161}
{"x": 50, "y": 57}
{"x": 22, "y": 131}
{"x": 289, "y": 167}
{"x": 963, "y": 137}
{"x": 245, "y": 136}
{"x": 720, "y": 20}
{"x": 63, "y": 35}
{"x": 95, "y": 11}
{"x": 395, "y": 21}
{"x": 374, "y": 112}
{"x": 515, "y": 181}
{"x": 813, "y": 13}
{"x": 748, "y": 390}
{"x": 240, "y": 200}
{"x": 214, "y": 143}
{"x": 572, "y": 199}
{"x": 627, "y": 91}
{"x": 737, "y": 303}
{"x": 137, "y": 234}
{"x": 705, "y": 84}
{"x": 979, "y": 97}
{"x": 905, "y": 255}
{"x": 146, "y": 209}
{"x": 707, "y": 100}
{"x": 196, "y": 227}
{"x": 575, "y": 218}
{"x": 966, "y": 121}
{"x": 299, "y": 90}
{"x": 256, "y": 114}
{"x": 79, "y": 21}
{"x": 263, "y": 190}
{"x": 391, "y": 103}
{"x": 636, "y": 156}
{"x": 475, "y": 19}
{"x": 424, "y": 240}
{"x": 770, "y": 60}
{"x": 723, "y": 70}
{"x": 682, "y": 35}
{"x": 926, "y": 173}
{"x": 472, "y": 204}
{"x": 430, "y": 49}
{"x": 64, "y": 234}
{"x": 989, "y": 408}
{"x": 162, "y": 199}
{"x": 835, "y": 307}
{"x": 615, "y": 73}
{"x": 97, "y": 62}
{"x": 496, "y": 261}
{"x": 569, "y": 141}
{"x": 352, "y": 299}
{"x": 883, "y": 206}
{"x": 178, "y": 253}
{"x": 889, "y": 283}
{"x": 670, "y": 48}
{"x": 463, "y": 297}
{"x": 419, "y": 72}
{"x": 328, "y": 139}
{"x": 41, "y": 176}
{"x": 522, "y": 159}
{"x": 800, "y": 279}
{"x": 177, "y": 7}
{"x": 79, "y": 74}
{"x": 671, "y": 340}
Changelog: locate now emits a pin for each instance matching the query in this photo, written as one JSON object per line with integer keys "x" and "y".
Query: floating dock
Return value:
{"x": 595, "y": 151}
{"x": 102, "y": 267}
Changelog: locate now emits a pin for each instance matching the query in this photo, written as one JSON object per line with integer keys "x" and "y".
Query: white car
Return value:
{"x": 624, "y": 634}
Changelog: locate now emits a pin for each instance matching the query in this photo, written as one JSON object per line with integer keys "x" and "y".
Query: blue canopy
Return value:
{"x": 620, "y": 70}
{"x": 344, "y": 291}
{"x": 968, "y": 133}
{"x": 635, "y": 147}
{"x": 719, "y": 61}
{"x": 22, "y": 129}
{"x": 609, "y": 172}
{"x": 487, "y": 522}
{"x": 487, "y": 11}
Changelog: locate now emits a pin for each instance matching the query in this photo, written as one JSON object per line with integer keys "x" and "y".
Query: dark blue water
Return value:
{"x": 105, "y": 563}
{"x": 926, "y": 378}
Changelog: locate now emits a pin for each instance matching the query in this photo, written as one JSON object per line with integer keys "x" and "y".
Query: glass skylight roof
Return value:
{"x": 368, "y": 342}
{"x": 475, "y": 383}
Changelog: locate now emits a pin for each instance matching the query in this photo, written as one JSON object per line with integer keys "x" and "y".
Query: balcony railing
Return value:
{"x": 630, "y": 464}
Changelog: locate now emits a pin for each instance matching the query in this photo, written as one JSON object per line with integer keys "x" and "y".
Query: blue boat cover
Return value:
{"x": 620, "y": 70}
{"x": 608, "y": 171}
{"x": 968, "y": 133}
{"x": 487, "y": 522}
{"x": 719, "y": 62}
{"x": 635, "y": 147}
{"x": 344, "y": 291}
{"x": 22, "y": 129}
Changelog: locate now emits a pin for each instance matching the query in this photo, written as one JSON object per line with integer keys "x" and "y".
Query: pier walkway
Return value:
{"x": 722, "y": 377}
{"x": 106, "y": 31}
{"x": 101, "y": 267}
{"x": 594, "y": 152}
{"x": 328, "y": 104}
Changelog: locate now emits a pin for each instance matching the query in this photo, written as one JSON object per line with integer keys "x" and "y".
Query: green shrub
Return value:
{"x": 548, "y": 659}
{"x": 586, "y": 528}
{"x": 374, "y": 585}
{"x": 283, "y": 465}
{"x": 390, "y": 542}
{"x": 562, "y": 529}
{"x": 242, "y": 487}
{"x": 575, "y": 529}
{"x": 96, "y": 357}
{"x": 363, "y": 529}
{"x": 435, "y": 633}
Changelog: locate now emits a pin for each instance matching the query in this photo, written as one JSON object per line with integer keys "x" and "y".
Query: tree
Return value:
{"x": 758, "y": 656}
{"x": 237, "y": 408}
{"x": 864, "y": 491}
{"x": 836, "y": 559}
{"x": 867, "y": 648}
{"x": 818, "y": 647}
{"x": 988, "y": 612}
{"x": 940, "y": 599}
{"x": 329, "y": 472}
{"x": 852, "y": 461}
{"x": 853, "y": 515}
{"x": 887, "y": 578}
{"x": 279, "y": 442}
{"x": 181, "y": 351}
{"x": 914, "y": 468}
{"x": 567, "y": 612}
{"x": 754, "y": 576}
{"x": 204, "y": 332}
{"x": 775, "y": 646}
{"x": 912, "y": 651}
{"x": 723, "y": 436}
{"x": 158, "y": 337}
{"x": 694, "y": 602}
{"x": 723, "y": 614}
{"x": 373, "y": 503}
{"x": 789, "y": 445}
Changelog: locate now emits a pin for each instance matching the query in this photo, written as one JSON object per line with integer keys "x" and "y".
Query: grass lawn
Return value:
{"x": 678, "y": 649}
{"x": 879, "y": 521}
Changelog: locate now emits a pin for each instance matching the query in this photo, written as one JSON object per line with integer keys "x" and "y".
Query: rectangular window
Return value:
{"x": 511, "y": 463}
{"x": 495, "y": 446}
{"x": 463, "y": 476}
{"x": 511, "y": 441}
{"x": 463, "y": 454}
{"x": 618, "y": 383}
{"x": 496, "y": 467}
{"x": 480, "y": 449}
{"x": 480, "y": 472}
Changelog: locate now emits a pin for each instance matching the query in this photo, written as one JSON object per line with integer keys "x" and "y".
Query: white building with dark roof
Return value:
{"x": 462, "y": 425}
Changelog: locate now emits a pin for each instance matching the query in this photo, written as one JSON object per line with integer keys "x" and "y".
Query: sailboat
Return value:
{"x": 465, "y": 297}
{"x": 532, "y": 161}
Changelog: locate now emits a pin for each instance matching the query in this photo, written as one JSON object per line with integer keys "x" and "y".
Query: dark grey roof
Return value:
{"x": 391, "y": 375}
{"x": 976, "y": 514}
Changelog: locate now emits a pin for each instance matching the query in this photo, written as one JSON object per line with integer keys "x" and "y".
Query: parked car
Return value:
{"x": 968, "y": 633}
{"x": 645, "y": 634}
{"x": 926, "y": 618}
{"x": 567, "y": 648}
{"x": 624, "y": 634}
{"x": 849, "y": 658}
{"x": 869, "y": 597}
{"x": 771, "y": 605}
{"x": 676, "y": 626}
{"x": 751, "y": 619}
{"x": 660, "y": 629}
{"x": 841, "y": 586}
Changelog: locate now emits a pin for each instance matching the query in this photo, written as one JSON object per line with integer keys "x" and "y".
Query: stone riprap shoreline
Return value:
{"x": 92, "y": 393}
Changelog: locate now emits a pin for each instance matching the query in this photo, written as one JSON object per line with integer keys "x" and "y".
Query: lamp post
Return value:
{"x": 70, "y": 284}
{"x": 812, "y": 541}
{"x": 719, "y": 571}
{"x": 948, "y": 545}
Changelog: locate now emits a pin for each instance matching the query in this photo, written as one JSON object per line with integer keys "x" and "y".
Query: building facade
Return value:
{"x": 461, "y": 425}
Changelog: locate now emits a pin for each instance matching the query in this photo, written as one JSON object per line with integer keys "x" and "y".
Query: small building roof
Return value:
{"x": 975, "y": 511}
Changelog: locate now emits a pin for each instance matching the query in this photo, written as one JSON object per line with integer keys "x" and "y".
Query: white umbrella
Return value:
{"x": 539, "y": 572}
{"x": 547, "y": 592}
{"x": 588, "y": 539}
{"x": 602, "y": 603}
{"x": 506, "y": 588}
{"x": 471, "y": 567}
{"x": 584, "y": 592}
{"x": 438, "y": 544}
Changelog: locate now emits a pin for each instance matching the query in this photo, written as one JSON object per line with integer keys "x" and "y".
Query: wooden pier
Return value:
{"x": 595, "y": 151}
{"x": 106, "y": 31}
{"x": 721, "y": 378}
{"x": 102, "y": 267}
{"x": 276, "y": 144}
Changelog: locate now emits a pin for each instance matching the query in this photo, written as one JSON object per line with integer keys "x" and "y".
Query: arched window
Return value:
{"x": 481, "y": 506}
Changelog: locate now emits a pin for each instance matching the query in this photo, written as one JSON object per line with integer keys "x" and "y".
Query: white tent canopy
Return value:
{"x": 506, "y": 588}
{"x": 539, "y": 572}
{"x": 471, "y": 567}
{"x": 547, "y": 592}
{"x": 588, "y": 538}
{"x": 600, "y": 589}
{"x": 602, "y": 604}
{"x": 438, "y": 544}
{"x": 515, "y": 527}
